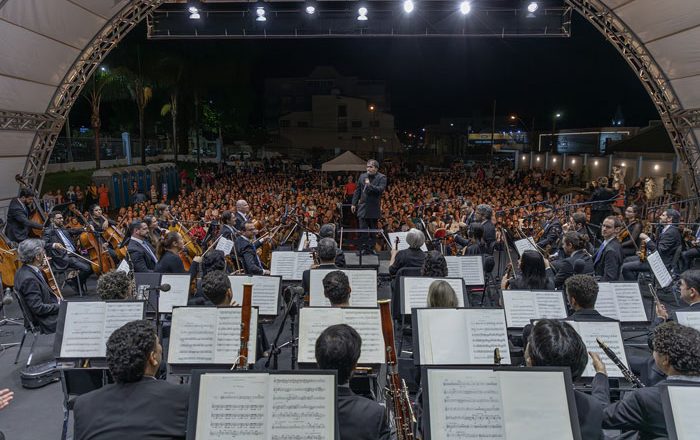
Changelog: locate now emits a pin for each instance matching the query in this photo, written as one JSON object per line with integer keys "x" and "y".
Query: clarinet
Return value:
{"x": 629, "y": 375}
{"x": 246, "y": 310}
{"x": 397, "y": 392}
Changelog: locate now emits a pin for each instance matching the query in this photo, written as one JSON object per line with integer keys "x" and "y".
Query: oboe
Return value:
{"x": 246, "y": 310}
{"x": 397, "y": 392}
{"x": 629, "y": 375}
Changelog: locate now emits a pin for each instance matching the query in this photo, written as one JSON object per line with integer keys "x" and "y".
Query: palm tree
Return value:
{"x": 172, "y": 72}
{"x": 95, "y": 90}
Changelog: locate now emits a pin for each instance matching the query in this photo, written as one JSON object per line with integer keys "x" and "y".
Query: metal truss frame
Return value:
{"x": 678, "y": 122}
{"x": 24, "y": 121}
{"x": 49, "y": 125}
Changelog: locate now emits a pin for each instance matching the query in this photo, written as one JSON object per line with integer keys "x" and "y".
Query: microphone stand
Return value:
{"x": 291, "y": 311}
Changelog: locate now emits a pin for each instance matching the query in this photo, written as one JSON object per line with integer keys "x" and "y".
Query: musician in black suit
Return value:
{"x": 630, "y": 245}
{"x": 573, "y": 245}
{"x": 579, "y": 223}
{"x": 137, "y": 405}
{"x": 608, "y": 257}
{"x": 366, "y": 202}
{"x": 246, "y": 245}
{"x": 326, "y": 252}
{"x": 602, "y": 197}
{"x": 677, "y": 354}
{"x": 328, "y": 231}
{"x": 336, "y": 287}
{"x": 411, "y": 257}
{"x": 228, "y": 228}
{"x": 169, "y": 249}
{"x": 582, "y": 293}
{"x": 61, "y": 248}
{"x": 556, "y": 344}
{"x": 483, "y": 216}
{"x": 142, "y": 255}
{"x": 18, "y": 223}
{"x": 669, "y": 241}
{"x": 242, "y": 216}
{"x": 31, "y": 285}
{"x": 338, "y": 348}
{"x": 551, "y": 230}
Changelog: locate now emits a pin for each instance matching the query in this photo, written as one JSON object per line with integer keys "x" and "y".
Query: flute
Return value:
{"x": 629, "y": 375}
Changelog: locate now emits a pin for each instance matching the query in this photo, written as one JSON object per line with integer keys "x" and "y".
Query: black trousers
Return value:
{"x": 370, "y": 239}
{"x": 83, "y": 267}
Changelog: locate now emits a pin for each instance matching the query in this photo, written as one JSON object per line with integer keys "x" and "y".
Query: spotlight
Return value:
{"x": 465, "y": 7}
{"x": 408, "y": 6}
{"x": 538, "y": 159}
{"x": 524, "y": 157}
{"x": 554, "y": 159}
{"x": 532, "y": 7}
{"x": 595, "y": 163}
{"x": 260, "y": 12}
{"x": 310, "y": 9}
{"x": 362, "y": 14}
{"x": 656, "y": 167}
{"x": 194, "y": 13}
{"x": 623, "y": 164}
{"x": 573, "y": 161}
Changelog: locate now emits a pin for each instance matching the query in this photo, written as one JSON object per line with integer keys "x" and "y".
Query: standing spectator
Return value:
{"x": 668, "y": 184}
{"x": 59, "y": 197}
{"x": 79, "y": 198}
{"x": 91, "y": 194}
{"x": 103, "y": 193}
{"x": 70, "y": 194}
{"x": 154, "y": 194}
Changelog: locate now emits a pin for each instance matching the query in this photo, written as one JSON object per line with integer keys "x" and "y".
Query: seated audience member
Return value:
{"x": 441, "y": 294}
{"x": 677, "y": 354}
{"x": 556, "y": 344}
{"x": 434, "y": 265}
{"x": 326, "y": 251}
{"x": 115, "y": 285}
{"x": 411, "y": 257}
{"x": 31, "y": 285}
{"x": 534, "y": 276}
{"x": 336, "y": 287}
{"x": 338, "y": 348}
{"x": 582, "y": 292}
{"x": 137, "y": 405}
{"x": 216, "y": 286}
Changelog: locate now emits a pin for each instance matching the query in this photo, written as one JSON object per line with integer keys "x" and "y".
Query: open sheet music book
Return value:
{"x": 505, "y": 404}
{"x": 469, "y": 267}
{"x": 84, "y": 326}
{"x": 403, "y": 244}
{"x": 266, "y": 292}
{"x": 177, "y": 295}
{"x": 312, "y": 241}
{"x": 363, "y": 283}
{"x": 689, "y": 319}
{"x": 522, "y": 306}
{"x": 209, "y": 335}
{"x": 249, "y": 405}
{"x": 621, "y": 301}
{"x": 414, "y": 292}
{"x": 608, "y": 332}
{"x": 680, "y": 411}
{"x": 525, "y": 244}
{"x": 459, "y": 336}
{"x": 367, "y": 322}
{"x": 290, "y": 265}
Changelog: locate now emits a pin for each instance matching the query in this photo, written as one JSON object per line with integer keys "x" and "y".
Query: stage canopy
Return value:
{"x": 347, "y": 161}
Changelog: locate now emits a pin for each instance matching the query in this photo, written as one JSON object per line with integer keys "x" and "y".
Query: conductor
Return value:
{"x": 366, "y": 202}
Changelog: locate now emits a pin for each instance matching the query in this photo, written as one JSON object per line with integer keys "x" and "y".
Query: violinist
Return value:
{"x": 228, "y": 228}
{"x": 155, "y": 233}
{"x": 328, "y": 231}
{"x": 579, "y": 223}
{"x": 608, "y": 257}
{"x": 691, "y": 253}
{"x": 242, "y": 210}
{"x": 551, "y": 229}
{"x": 18, "y": 222}
{"x": 246, "y": 245}
{"x": 60, "y": 247}
{"x": 31, "y": 285}
{"x": 668, "y": 241}
{"x": 574, "y": 245}
{"x": 169, "y": 250}
{"x": 629, "y": 235}
{"x": 142, "y": 255}
{"x": 99, "y": 223}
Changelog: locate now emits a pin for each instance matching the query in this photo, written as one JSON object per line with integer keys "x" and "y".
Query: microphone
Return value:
{"x": 7, "y": 298}
{"x": 290, "y": 296}
{"x": 162, "y": 288}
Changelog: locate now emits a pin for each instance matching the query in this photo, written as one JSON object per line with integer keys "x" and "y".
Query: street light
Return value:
{"x": 528, "y": 130}
{"x": 555, "y": 117}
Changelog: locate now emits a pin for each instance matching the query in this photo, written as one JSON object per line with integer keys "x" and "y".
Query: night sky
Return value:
{"x": 583, "y": 77}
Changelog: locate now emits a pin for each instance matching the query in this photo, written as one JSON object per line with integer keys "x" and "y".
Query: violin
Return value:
{"x": 51, "y": 279}
{"x": 191, "y": 247}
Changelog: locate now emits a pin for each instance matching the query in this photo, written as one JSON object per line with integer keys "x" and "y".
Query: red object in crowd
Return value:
{"x": 350, "y": 188}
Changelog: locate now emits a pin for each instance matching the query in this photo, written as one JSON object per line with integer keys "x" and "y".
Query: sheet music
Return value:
{"x": 525, "y": 244}
{"x": 367, "y": 322}
{"x": 313, "y": 241}
{"x": 535, "y": 406}
{"x": 690, "y": 319}
{"x": 621, "y": 301}
{"x": 124, "y": 266}
{"x": 608, "y": 332}
{"x": 470, "y": 268}
{"x": 465, "y": 404}
{"x": 266, "y": 292}
{"x": 473, "y": 336}
{"x": 684, "y": 402}
{"x": 232, "y": 406}
{"x": 362, "y": 282}
{"x": 225, "y": 245}
{"x": 403, "y": 244}
{"x": 209, "y": 335}
{"x": 302, "y": 406}
{"x": 89, "y": 324}
{"x": 521, "y": 306}
{"x": 178, "y": 293}
{"x": 290, "y": 265}
{"x": 659, "y": 268}
{"x": 415, "y": 291}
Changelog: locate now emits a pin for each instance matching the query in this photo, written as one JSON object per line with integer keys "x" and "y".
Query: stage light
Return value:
{"x": 408, "y": 6}
{"x": 532, "y": 7}
{"x": 656, "y": 167}
{"x": 260, "y": 12}
{"x": 310, "y": 10}
{"x": 573, "y": 161}
{"x": 554, "y": 160}
{"x": 623, "y": 164}
{"x": 538, "y": 159}
{"x": 194, "y": 13}
{"x": 595, "y": 163}
{"x": 362, "y": 14}
{"x": 524, "y": 157}
{"x": 465, "y": 7}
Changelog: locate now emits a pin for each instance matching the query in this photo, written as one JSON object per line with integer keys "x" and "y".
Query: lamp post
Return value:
{"x": 552, "y": 145}
{"x": 530, "y": 131}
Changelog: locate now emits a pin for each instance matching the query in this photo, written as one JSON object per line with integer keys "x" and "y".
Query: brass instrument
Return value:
{"x": 246, "y": 310}
{"x": 629, "y": 375}
{"x": 397, "y": 392}
{"x": 497, "y": 358}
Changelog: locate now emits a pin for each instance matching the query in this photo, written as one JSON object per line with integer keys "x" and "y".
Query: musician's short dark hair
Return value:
{"x": 579, "y": 218}
{"x": 434, "y": 265}
{"x": 53, "y": 214}
{"x": 326, "y": 249}
{"x": 692, "y": 279}
{"x": 338, "y": 348}
{"x": 226, "y": 217}
{"x": 128, "y": 349}
{"x": 477, "y": 231}
{"x": 92, "y": 207}
{"x": 336, "y": 287}
{"x": 675, "y": 215}
{"x": 26, "y": 192}
{"x": 373, "y": 162}
{"x": 576, "y": 240}
{"x": 114, "y": 285}
{"x": 582, "y": 288}
{"x": 167, "y": 242}
{"x": 682, "y": 346}
{"x": 215, "y": 259}
{"x": 617, "y": 223}
{"x": 484, "y": 211}
{"x": 136, "y": 224}
{"x": 556, "y": 344}
{"x": 327, "y": 231}
{"x": 215, "y": 284}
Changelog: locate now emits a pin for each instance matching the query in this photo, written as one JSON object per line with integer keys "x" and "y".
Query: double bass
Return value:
{"x": 9, "y": 263}
{"x": 101, "y": 261}
{"x": 37, "y": 215}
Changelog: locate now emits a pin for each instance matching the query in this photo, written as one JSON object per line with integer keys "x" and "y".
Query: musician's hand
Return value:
{"x": 197, "y": 259}
{"x": 234, "y": 303}
{"x": 5, "y": 397}
{"x": 57, "y": 246}
{"x": 598, "y": 364}
{"x": 661, "y": 311}
{"x": 643, "y": 236}
{"x": 366, "y": 180}
{"x": 266, "y": 272}
{"x": 546, "y": 263}
{"x": 105, "y": 225}
{"x": 352, "y": 208}
{"x": 91, "y": 228}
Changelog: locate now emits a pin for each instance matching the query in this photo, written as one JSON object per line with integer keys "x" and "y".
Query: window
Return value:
{"x": 343, "y": 111}
{"x": 342, "y": 126}
{"x": 284, "y": 123}
{"x": 356, "y": 124}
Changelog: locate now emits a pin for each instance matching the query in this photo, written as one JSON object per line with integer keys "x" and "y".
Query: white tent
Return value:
{"x": 347, "y": 161}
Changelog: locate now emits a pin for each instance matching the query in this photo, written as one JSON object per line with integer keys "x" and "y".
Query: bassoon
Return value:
{"x": 397, "y": 393}
{"x": 246, "y": 310}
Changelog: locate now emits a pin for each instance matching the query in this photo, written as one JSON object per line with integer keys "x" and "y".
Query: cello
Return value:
{"x": 114, "y": 236}
{"x": 101, "y": 261}
{"x": 9, "y": 263}
{"x": 37, "y": 215}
